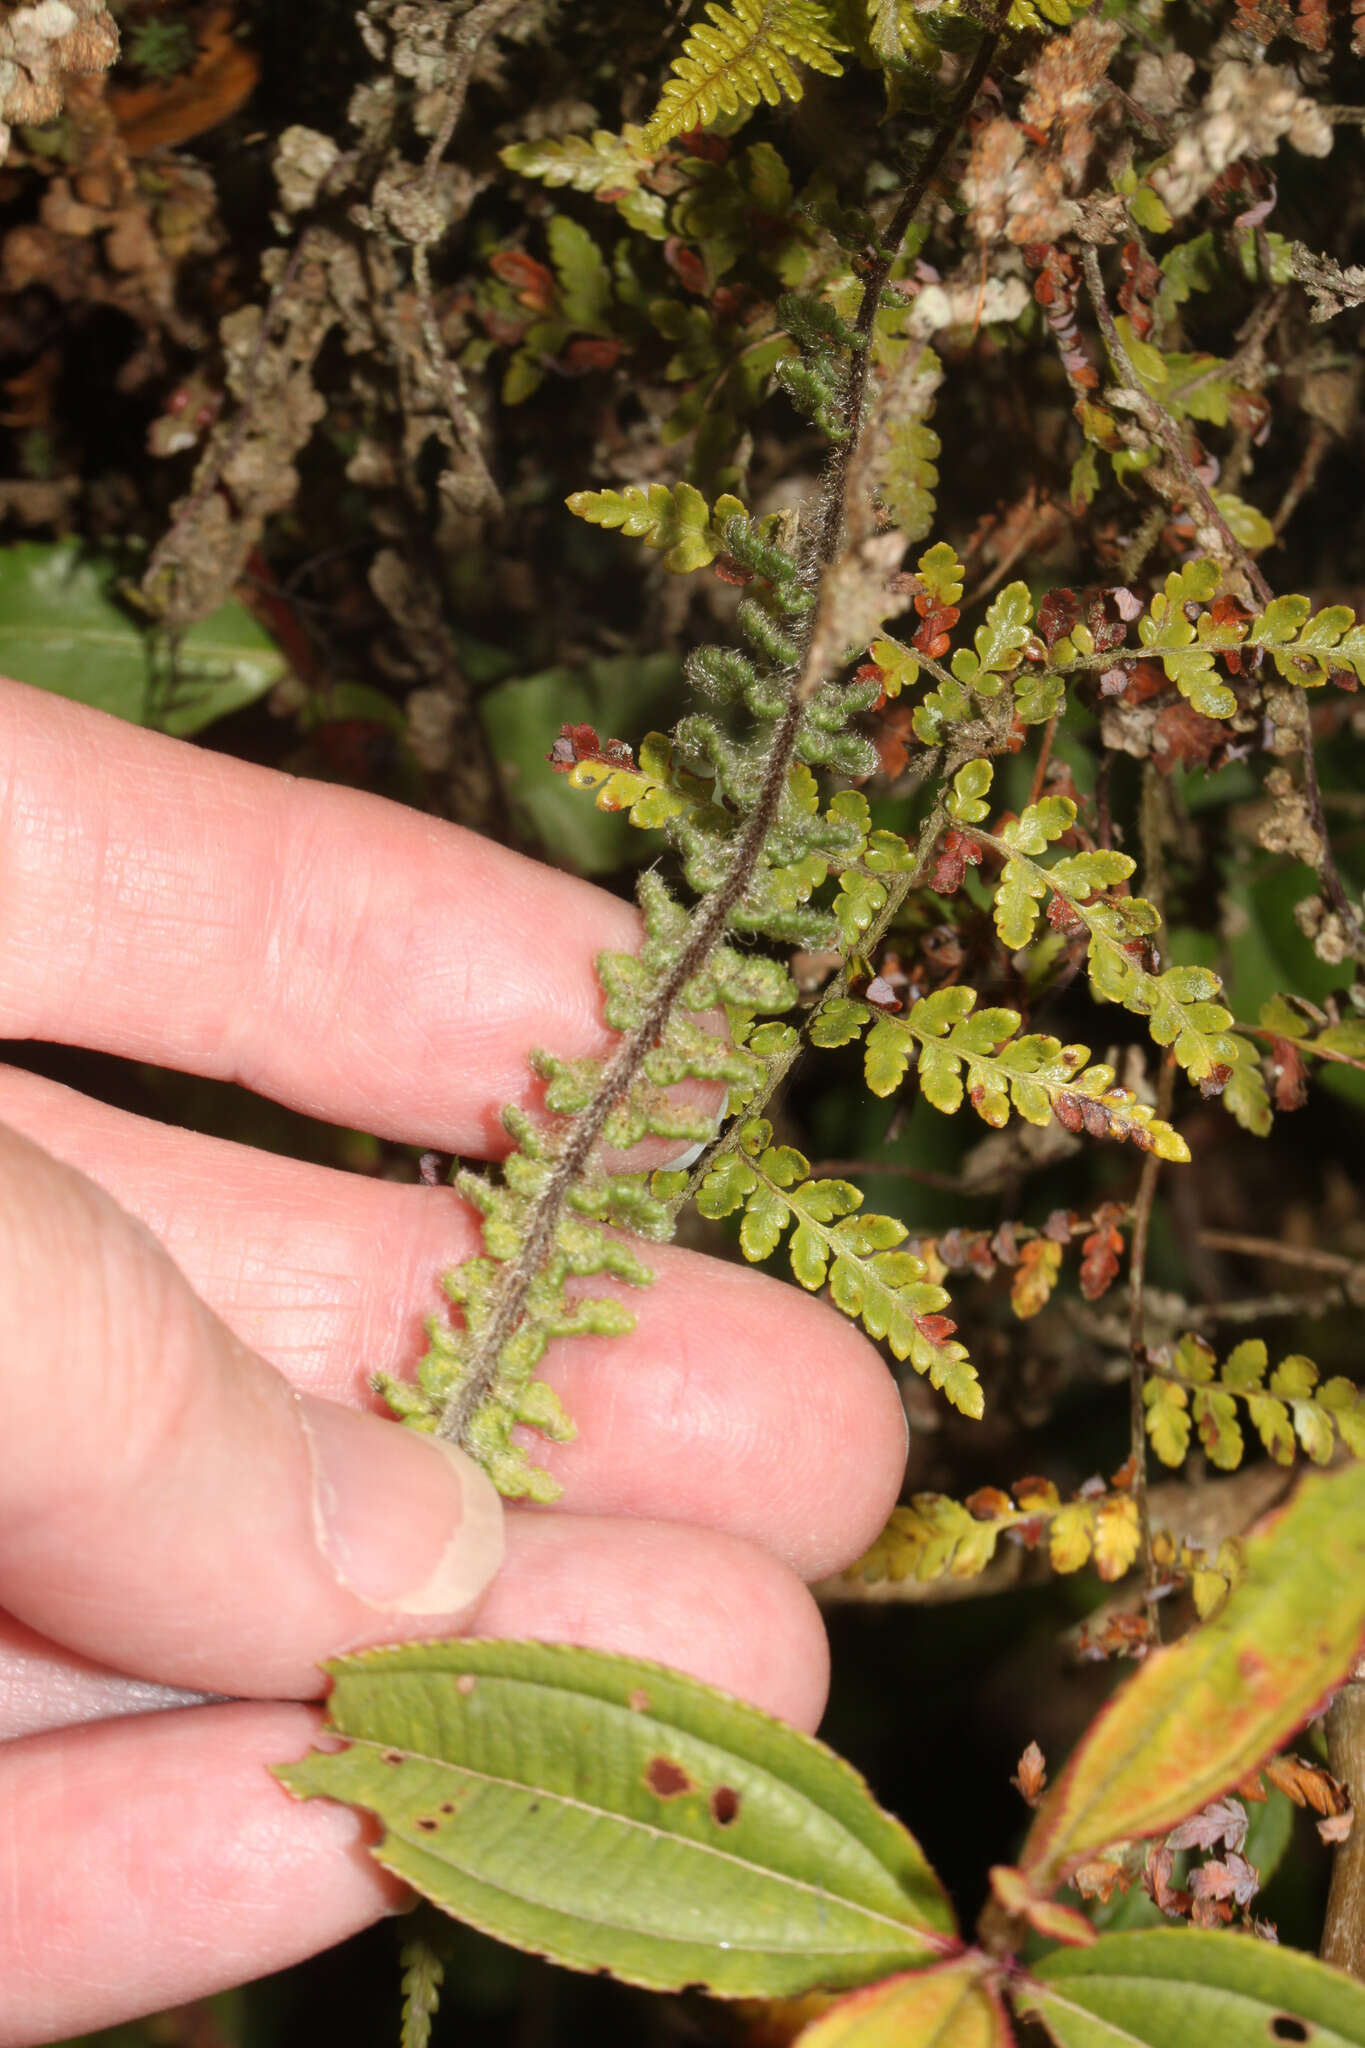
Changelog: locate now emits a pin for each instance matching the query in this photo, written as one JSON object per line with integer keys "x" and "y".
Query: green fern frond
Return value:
{"x": 603, "y": 163}
{"x": 833, "y": 1245}
{"x": 675, "y": 519}
{"x": 1180, "y": 1004}
{"x": 740, "y": 56}
{"x": 961, "y": 1051}
{"x": 585, "y": 1240}
{"x": 1293, "y": 1406}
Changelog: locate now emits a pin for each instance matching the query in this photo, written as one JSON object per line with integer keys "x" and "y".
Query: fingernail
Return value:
{"x": 407, "y": 1522}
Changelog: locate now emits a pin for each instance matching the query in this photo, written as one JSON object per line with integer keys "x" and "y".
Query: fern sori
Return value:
{"x": 739, "y": 56}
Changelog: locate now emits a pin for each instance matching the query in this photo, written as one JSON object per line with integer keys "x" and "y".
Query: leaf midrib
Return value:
{"x": 931, "y": 1938}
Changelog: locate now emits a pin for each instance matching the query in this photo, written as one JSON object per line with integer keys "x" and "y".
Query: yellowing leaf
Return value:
{"x": 1045, "y": 1916}
{"x": 1068, "y": 1537}
{"x": 1035, "y": 1276}
{"x": 615, "y": 1815}
{"x": 1200, "y": 1715}
{"x": 1117, "y": 1536}
{"x": 948, "y": 2006}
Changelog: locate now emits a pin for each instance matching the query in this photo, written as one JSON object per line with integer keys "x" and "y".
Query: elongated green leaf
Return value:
{"x": 1199, "y": 1715}
{"x": 615, "y": 1815}
{"x": 62, "y": 630}
{"x": 1177, "y": 1987}
{"x": 949, "y": 2006}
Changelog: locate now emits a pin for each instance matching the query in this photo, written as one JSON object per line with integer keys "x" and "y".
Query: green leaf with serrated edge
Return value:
{"x": 1200, "y": 1715}
{"x": 970, "y": 786}
{"x": 998, "y": 644}
{"x": 887, "y": 1058}
{"x": 62, "y": 629}
{"x": 582, "y": 275}
{"x": 611, "y": 1814}
{"x": 949, "y": 2005}
{"x": 1184, "y": 1987}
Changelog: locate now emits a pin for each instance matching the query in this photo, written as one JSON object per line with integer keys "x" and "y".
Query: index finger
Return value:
{"x": 361, "y": 962}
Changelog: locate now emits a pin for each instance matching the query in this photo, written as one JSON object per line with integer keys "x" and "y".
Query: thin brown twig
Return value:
{"x": 1044, "y": 756}
{"x": 1137, "y": 1348}
{"x": 1343, "y": 1933}
{"x": 1308, "y": 1256}
{"x": 1159, "y": 422}
{"x": 467, "y": 36}
{"x": 231, "y": 443}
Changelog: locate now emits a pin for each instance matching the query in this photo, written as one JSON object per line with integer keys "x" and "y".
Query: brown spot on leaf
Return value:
{"x": 724, "y": 1805}
{"x": 428, "y": 1823}
{"x": 1284, "y": 2027}
{"x": 638, "y": 1701}
{"x": 665, "y": 1779}
{"x": 393, "y": 1756}
{"x": 466, "y": 1683}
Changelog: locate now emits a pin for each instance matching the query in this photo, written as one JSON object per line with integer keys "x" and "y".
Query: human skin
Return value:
{"x": 176, "y": 1306}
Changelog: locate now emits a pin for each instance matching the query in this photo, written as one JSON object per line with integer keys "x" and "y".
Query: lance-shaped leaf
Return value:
{"x": 1200, "y": 1715}
{"x": 611, "y": 1814}
{"x": 1176, "y": 1987}
{"x": 949, "y": 2006}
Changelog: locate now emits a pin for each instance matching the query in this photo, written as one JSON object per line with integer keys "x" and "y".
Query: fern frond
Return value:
{"x": 584, "y": 1241}
{"x": 675, "y": 519}
{"x": 961, "y": 1051}
{"x": 833, "y": 1245}
{"x": 1179, "y": 1004}
{"x": 1188, "y": 1388}
{"x": 742, "y": 55}
{"x": 602, "y": 163}
{"x": 936, "y": 1537}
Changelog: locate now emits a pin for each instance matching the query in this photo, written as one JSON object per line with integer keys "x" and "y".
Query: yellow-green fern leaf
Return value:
{"x": 740, "y": 55}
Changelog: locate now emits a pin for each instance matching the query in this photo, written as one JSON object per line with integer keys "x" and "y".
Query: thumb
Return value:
{"x": 169, "y": 1505}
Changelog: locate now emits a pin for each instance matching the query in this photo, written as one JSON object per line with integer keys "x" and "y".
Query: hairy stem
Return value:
{"x": 711, "y": 918}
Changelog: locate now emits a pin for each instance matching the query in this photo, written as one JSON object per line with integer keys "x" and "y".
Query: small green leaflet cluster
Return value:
{"x": 1179, "y": 1004}
{"x": 675, "y": 519}
{"x": 959, "y": 1050}
{"x": 833, "y": 1245}
{"x": 600, "y": 1204}
{"x": 740, "y": 56}
{"x": 747, "y": 53}
{"x": 1183, "y": 627}
{"x": 601, "y": 163}
{"x": 1294, "y": 1405}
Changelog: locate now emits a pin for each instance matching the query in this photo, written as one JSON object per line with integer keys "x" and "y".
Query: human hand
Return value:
{"x": 190, "y": 1326}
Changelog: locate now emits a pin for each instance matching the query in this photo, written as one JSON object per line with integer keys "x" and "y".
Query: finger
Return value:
{"x": 44, "y": 1686}
{"x": 738, "y": 1402}
{"x": 358, "y": 960}
{"x": 171, "y": 1507}
{"x": 153, "y": 1861}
